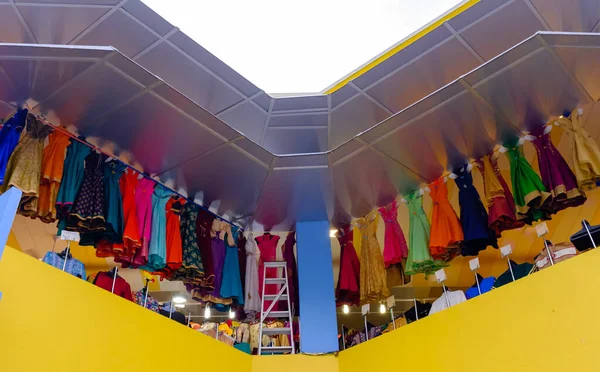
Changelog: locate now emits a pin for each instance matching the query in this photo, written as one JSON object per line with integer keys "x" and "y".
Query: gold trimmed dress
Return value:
{"x": 373, "y": 285}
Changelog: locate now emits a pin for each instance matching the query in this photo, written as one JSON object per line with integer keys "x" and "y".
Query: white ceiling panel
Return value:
{"x": 579, "y": 16}
{"x": 246, "y": 118}
{"x": 353, "y": 117}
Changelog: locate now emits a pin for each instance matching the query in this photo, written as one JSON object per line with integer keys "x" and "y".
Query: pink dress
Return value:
{"x": 394, "y": 244}
{"x": 267, "y": 245}
{"x": 143, "y": 201}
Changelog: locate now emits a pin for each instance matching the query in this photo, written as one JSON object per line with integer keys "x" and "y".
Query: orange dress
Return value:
{"x": 52, "y": 170}
{"x": 131, "y": 237}
{"x": 446, "y": 232}
{"x": 174, "y": 246}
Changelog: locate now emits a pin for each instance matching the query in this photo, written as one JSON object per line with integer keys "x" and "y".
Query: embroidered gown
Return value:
{"x": 373, "y": 285}
{"x": 192, "y": 269}
{"x": 500, "y": 202}
{"x": 419, "y": 259}
{"x": 473, "y": 217}
{"x": 347, "y": 291}
{"x": 53, "y": 161}
{"x": 446, "y": 231}
{"x": 557, "y": 177}
{"x": 531, "y": 196}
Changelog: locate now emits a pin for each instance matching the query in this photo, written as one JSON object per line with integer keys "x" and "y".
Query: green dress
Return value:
{"x": 530, "y": 194}
{"x": 419, "y": 259}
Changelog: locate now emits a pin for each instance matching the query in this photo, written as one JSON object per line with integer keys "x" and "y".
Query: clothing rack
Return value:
{"x": 99, "y": 150}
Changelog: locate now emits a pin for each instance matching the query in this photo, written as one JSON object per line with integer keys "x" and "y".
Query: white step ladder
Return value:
{"x": 281, "y": 296}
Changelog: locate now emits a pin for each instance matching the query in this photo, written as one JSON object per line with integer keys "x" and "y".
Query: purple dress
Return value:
{"x": 217, "y": 247}
{"x": 556, "y": 174}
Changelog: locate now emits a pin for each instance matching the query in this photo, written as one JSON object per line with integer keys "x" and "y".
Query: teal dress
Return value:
{"x": 419, "y": 259}
{"x": 157, "y": 258}
{"x": 231, "y": 284}
{"x": 113, "y": 202}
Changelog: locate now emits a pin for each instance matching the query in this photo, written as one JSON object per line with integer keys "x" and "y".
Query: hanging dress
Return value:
{"x": 144, "y": 191}
{"x": 231, "y": 285}
{"x": 267, "y": 245}
{"x": 241, "y": 244}
{"x": 373, "y": 286}
{"x": 24, "y": 167}
{"x": 204, "y": 224}
{"x": 174, "y": 253}
{"x": 419, "y": 259}
{"x": 88, "y": 213}
{"x": 251, "y": 291}
{"x": 394, "y": 245}
{"x": 220, "y": 230}
{"x": 557, "y": 177}
{"x": 446, "y": 231}
{"x": 113, "y": 200}
{"x": 131, "y": 237}
{"x": 585, "y": 154}
{"x": 9, "y": 137}
{"x": 192, "y": 269}
{"x": 73, "y": 174}
{"x": 53, "y": 160}
{"x": 292, "y": 271}
{"x": 347, "y": 291}
{"x": 473, "y": 216}
{"x": 499, "y": 200}
{"x": 531, "y": 196}
{"x": 157, "y": 257}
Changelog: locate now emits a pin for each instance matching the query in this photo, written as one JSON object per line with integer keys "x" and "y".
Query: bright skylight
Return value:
{"x": 298, "y": 46}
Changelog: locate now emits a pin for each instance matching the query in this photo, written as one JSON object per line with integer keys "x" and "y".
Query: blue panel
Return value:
{"x": 9, "y": 201}
{"x": 318, "y": 322}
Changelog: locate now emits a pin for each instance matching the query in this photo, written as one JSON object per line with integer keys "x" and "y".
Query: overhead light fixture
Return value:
{"x": 346, "y": 309}
{"x": 180, "y": 306}
{"x": 382, "y": 308}
{"x": 231, "y": 314}
{"x": 179, "y": 299}
{"x": 332, "y": 233}
{"x": 206, "y": 312}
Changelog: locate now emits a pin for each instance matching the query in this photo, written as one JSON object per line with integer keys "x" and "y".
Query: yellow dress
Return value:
{"x": 373, "y": 286}
{"x": 585, "y": 154}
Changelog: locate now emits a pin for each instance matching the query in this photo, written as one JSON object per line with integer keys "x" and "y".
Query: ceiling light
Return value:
{"x": 207, "y": 312}
{"x": 346, "y": 309}
{"x": 179, "y": 299}
{"x": 382, "y": 308}
{"x": 231, "y": 314}
{"x": 180, "y": 306}
{"x": 332, "y": 233}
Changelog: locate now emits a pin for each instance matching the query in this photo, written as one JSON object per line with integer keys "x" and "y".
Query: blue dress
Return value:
{"x": 157, "y": 258}
{"x": 473, "y": 217}
{"x": 231, "y": 284}
{"x": 9, "y": 137}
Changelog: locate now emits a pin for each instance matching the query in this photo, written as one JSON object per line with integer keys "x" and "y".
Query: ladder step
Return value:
{"x": 276, "y": 331}
{"x": 275, "y": 264}
{"x": 275, "y": 280}
{"x": 271, "y": 297}
{"x": 278, "y": 314}
{"x": 276, "y": 349}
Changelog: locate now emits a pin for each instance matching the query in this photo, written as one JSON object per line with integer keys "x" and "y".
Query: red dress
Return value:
{"x": 394, "y": 244}
{"x": 348, "y": 290}
{"x": 267, "y": 245}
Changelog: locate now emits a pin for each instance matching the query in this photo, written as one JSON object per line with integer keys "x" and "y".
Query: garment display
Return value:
{"x": 192, "y": 269}
{"x": 446, "y": 232}
{"x": 73, "y": 266}
{"x": 373, "y": 286}
{"x": 473, "y": 216}
{"x": 174, "y": 252}
{"x": 557, "y": 177}
{"x": 560, "y": 252}
{"x": 144, "y": 192}
{"x": 500, "y": 202}
{"x": 531, "y": 196}
{"x": 157, "y": 258}
{"x": 347, "y": 291}
{"x": 53, "y": 161}
{"x": 485, "y": 285}
{"x": 105, "y": 280}
{"x": 419, "y": 259}
{"x": 394, "y": 244}
{"x": 251, "y": 288}
{"x": 231, "y": 285}
{"x": 9, "y": 137}
{"x": 220, "y": 230}
{"x": 24, "y": 167}
{"x": 131, "y": 241}
{"x": 115, "y": 221}
{"x": 151, "y": 303}
{"x": 241, "y": 246}
{"x": 292, "y": 271}
{"x": 453, "y": 297}
{"x": 519, "y": 271}
{"x": 204, "y": 223}
{"x": 585, "y": 154}
{"x": 267, "y": 246}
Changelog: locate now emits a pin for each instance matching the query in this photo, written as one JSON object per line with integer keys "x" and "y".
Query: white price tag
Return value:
{"x": 440, "y": 275}
{"x": 542, "y": 229}
{"x": 366, "y": 309}
{"x": 70, "y": 236}
{"x": 474, "y": 264}
{"x": 506, "y": 250}
{"x": 391, "y": 301}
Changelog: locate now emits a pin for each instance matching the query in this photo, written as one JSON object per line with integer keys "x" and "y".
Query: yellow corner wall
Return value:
{"x": 545, "y": 322}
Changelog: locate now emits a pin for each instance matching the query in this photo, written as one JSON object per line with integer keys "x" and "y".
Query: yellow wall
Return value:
{"x": 51, "y": 321}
